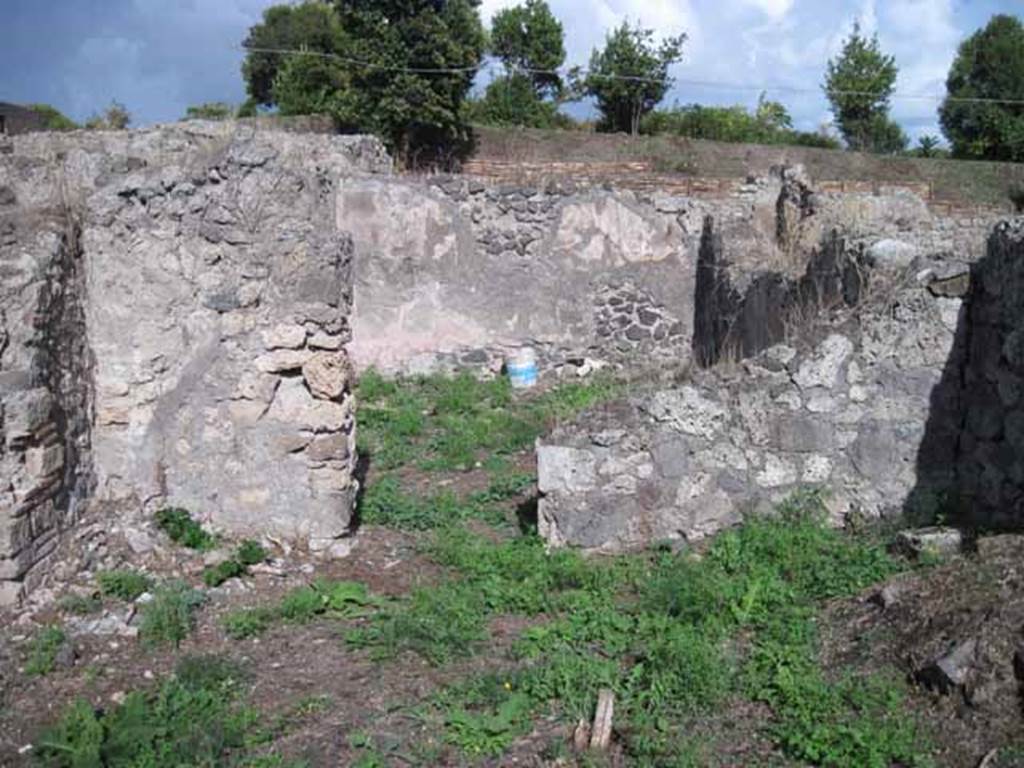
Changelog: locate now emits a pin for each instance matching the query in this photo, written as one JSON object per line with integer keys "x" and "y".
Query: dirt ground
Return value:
{"x": 974, "y": 604}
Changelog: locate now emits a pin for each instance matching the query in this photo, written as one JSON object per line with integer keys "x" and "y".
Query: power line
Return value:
{"x": 725, "y": 86}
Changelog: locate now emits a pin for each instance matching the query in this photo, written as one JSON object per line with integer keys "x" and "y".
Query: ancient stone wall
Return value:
{"x": 176, "y": 312}
{"x": 972, "y": 455}
{"x": 843, "y": 406}
{"x": 456, "y": 272}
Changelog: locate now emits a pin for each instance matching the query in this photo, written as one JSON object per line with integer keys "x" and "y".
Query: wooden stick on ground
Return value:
{"x": 601, "y": 737}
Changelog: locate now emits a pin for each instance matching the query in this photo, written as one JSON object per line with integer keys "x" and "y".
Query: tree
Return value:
{"x": 629, "y": 77}
{"x": 397, "y": 68}
{"x": 927, "y": 146}
{"x": 989, "y": 65}
{"x": 512, "y": 101}
{"x": 211, "y": 110}
{"x": 310, "y": 26}
{"x": 115, "y": 117}
{"x": 529, "y": 40}
{"x": 859, "y": 84}
{"x": 310, "y": 85}
{"x": 773, "y": 115}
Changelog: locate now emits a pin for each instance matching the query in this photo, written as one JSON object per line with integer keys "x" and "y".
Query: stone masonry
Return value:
{"x": 906, "y": 403}
{"x": 183, "y": 308}
{"x": 457, "y": 272}
{"x": 175, "y": 321}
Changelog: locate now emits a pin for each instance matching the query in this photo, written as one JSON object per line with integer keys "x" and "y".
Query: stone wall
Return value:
{"x": 846, "y": 405}
{"x": 456, "y": 272}
{"x": 972, "y": 456}
{"x": 176, "y": 314}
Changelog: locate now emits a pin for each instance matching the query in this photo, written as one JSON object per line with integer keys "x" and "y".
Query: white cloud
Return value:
{"x": 774, "y": 8}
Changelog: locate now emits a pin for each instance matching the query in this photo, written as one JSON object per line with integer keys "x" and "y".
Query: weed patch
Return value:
{"x": 195, "y": 717}
{"x": 662, "y": 631}
{"x": 335, "y": 599}
{"x": 248, "y": 553}
{"x": 442, "y": 423}
{"x": 168, "y": 618}
{"x": 42, "y": 657}
{"x": 123, "y": 585}
{"x": 80, "y": 605}
{"x": 178, "y": 524}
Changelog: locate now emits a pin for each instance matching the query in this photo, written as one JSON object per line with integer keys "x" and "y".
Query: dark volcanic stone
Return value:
{"x": 636, "y": 333}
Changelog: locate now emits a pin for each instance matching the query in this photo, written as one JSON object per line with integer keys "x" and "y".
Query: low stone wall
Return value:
{"x": 847, "y": 412}
{"x": 176, "y": 315}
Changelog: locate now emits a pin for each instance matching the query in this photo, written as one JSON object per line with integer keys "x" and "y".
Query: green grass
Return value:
{"x": 664, "y": 632}
{"x": 42, "y": 655}
{"x": 123, "y": 585}
{"x": 182, "y": 529}
{"x": 197, "y": 717}
{"x": 442, "y": 423}
{"x": 215, "y": 575}
{"x": 334, "y": 599}
{"x": 169, "y": 617}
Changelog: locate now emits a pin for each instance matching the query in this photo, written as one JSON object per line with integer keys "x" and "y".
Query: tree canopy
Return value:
{"x": 989, "y": 65}
{"x": 859, "y": 84}
{"x": 397, "y": 68}
{"x": 512, "y": 101}
{"x": 309, "y": 26}
{"x": 629, "y": 76}
{"x": 529, "y": 41}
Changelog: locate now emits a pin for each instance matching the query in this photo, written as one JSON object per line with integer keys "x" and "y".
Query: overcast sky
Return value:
{"x": 159, "y": 56}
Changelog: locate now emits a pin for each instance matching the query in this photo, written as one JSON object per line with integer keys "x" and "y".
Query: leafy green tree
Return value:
{"x": 397, "y": 68}
{"x": 928, "y": 146}
{"x": 311, "y": 26}
{"x": 55, "y": 119}
{"x": 530, "y": 41}
{"x": 629, "y": 76}
{"x": 311, "y": 85}
{"x": 859, "y": 84}
{"x": 211, "y": 110}
{"x": 772, "y": 115}
{"x": 512, "y": 101}
{"x": 885, "y": 136}
{"x": 989, "y": 65}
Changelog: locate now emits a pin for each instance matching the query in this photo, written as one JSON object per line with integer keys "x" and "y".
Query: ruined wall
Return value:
{"x": 456, "y": 272}
{"x": 972, "y": 456}
{"x": 176, "y": 310}
{"x": 845, "y": 406}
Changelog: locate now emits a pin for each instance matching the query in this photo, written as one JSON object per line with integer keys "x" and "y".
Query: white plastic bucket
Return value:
{"x": 522, "y": 369}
